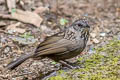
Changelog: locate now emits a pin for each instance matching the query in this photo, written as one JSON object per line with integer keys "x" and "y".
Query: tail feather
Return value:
{"x": 17, "y": 62}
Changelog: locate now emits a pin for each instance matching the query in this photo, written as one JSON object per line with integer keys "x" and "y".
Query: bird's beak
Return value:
{"x": 86, "y": 29}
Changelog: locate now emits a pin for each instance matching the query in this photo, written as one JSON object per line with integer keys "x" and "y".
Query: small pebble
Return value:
{"x": 91, "y": 50}
{"x": 7, "y": 49}
{"x": 102, "y": 34}
{"x": 93, "y": 35}
{"x": 118, "y": 37}
{"x": 95, "y": 40}
{"x": 11, "y": 31}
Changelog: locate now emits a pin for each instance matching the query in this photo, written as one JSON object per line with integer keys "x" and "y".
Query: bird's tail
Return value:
{"x": 17, "y": 62}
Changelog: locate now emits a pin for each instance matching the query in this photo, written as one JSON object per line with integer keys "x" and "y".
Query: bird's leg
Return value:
{"x": 69, "y": 65}
{"x": 66, "y": 64}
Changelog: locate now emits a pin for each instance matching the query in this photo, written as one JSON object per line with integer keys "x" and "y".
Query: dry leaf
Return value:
{"x": 2, "y": 24}
{"x": 11, "y": 4}
{"x": 14, "y": 28}
{"x": 27, "y": 17}
{"x": 41, "y": 9}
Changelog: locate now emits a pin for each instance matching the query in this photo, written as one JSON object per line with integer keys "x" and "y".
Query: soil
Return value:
{"x": 103, "y": 16}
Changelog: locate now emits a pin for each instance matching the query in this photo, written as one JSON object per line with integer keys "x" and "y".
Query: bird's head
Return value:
{"x": 81, "y": 25}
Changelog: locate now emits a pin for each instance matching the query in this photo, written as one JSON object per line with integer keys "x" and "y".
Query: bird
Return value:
{"x": 64, "y": 45}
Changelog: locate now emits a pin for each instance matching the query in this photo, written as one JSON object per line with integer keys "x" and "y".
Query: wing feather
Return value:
{"x": 59, "y": 46}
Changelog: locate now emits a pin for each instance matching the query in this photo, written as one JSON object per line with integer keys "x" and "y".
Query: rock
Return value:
{"x": 93, "y": 35}
{"x": 95, "y": 41}
{"x": 102, "y": 34}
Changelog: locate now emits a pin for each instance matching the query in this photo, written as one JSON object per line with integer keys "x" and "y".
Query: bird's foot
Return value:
{"x": 69, "y": 65}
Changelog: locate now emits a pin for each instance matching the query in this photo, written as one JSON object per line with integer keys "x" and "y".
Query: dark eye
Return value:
{"x": 79, "y": 24}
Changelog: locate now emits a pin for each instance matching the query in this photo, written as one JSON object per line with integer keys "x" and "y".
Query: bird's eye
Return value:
{"x": 79, "y": 24}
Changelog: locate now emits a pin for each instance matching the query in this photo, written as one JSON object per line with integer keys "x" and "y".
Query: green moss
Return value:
{"x": 102, "y": 65}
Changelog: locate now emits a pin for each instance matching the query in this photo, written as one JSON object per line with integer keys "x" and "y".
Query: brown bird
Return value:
{"x": 64, "y": 45}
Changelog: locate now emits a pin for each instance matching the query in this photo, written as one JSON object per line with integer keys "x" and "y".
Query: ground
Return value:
{"x": 102, "y": 65}
{"x": 29, "y": 22}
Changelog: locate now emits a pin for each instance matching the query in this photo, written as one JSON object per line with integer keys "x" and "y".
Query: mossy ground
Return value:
{"x": 102, "y": 65}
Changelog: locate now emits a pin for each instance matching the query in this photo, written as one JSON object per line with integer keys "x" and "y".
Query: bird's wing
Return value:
{"x": 54, "y": 45}
{"x": 50, "y": 40}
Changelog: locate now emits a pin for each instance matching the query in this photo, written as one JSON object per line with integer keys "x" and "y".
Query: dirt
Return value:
{"x": 103, "y": 16}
